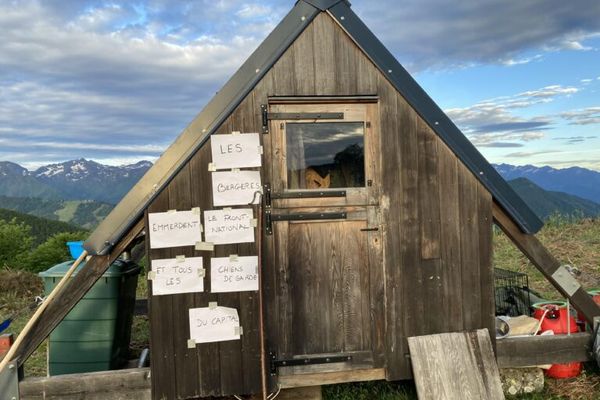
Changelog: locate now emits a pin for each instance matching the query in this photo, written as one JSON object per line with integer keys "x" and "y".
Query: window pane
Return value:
{"x": 325, "y": 155}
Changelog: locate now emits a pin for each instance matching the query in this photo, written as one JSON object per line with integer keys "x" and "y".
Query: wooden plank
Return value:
{"x": 376, "y": 288}
{"x": 284, "y": 82}
{"x": 390, "y": 213}
{"x": 355, "y": 278}
{"x": 429, "y": 206}
{"x": 209, "y": 374}
{"x": 451, "y": 311}
{"x": 486, "y": 268}
{"x": 245, "y": 119}
{"x": 345, "y": 63}
{"x": 469, "y": 241}
{"x": 545, "y": 262}
{"x": 160, "y": 313}
{"x": 324, "y": 45}
{"x": 186, "y": 360}
{"x": 541, "y": 350}
{"x": 412, "y": 274}
{"x": 130, "y": 384}
{"x": 73, "y": 291}
{"x": 331, "y": 378}
{"x": 455, "y": 366}
{"x": 303, "y": 71}
{"x": 283, "y": 289}
{"x": 430, "y": 227}
{"x": 366, "y": 74}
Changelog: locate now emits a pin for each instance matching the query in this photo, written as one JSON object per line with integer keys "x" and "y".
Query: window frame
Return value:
{"x": 361, "y": 111}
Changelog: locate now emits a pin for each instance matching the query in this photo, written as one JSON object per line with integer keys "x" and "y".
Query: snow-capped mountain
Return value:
{"x": 577, "y": 181}
{"x": 71, "y": 180}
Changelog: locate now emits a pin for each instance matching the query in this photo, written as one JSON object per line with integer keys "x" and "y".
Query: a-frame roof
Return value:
{"x": 132, "y": 206}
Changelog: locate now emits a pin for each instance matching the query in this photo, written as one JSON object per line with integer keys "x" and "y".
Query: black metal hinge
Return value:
{"x": 267, "y": 116}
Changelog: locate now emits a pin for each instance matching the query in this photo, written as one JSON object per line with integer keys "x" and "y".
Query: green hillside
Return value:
{"x": 546, "y": 203}
{"x": 86, "y": 214}
{"x": 27, "y": 186}
{"x": 41, "y": 228}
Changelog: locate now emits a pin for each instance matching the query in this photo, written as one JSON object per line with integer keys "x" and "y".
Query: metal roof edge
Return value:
{"x": 131, "y": 208}
{"x": 512, "y": 203}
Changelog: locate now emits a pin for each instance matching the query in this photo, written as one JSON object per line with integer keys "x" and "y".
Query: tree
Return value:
{"x": 53, "y": 251}
{"x": 15, "y": 242}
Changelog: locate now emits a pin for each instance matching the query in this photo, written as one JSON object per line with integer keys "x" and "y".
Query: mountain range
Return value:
{"x": 546, "y": 203}
{"x": 82, "y": 192}
{"x": 71, "y": 180}
{"x": 576, "y": 181}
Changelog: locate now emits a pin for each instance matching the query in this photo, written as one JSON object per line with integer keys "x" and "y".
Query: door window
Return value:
{"x": 325, "y": 155}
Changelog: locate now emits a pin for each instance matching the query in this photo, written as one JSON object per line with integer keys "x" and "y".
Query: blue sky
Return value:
{"x": 116, "y": 81}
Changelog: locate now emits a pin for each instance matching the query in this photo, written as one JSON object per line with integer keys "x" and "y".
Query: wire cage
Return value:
{"x": 512, "y": 293}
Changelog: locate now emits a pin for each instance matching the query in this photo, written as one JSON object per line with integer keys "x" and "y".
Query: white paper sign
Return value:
{"x": 172, "y": 276}
{"x": 231, "y": 188}
{"x": 174, "y": 229}
{"x": 236, "y": 151}
{"x": 216, "y": 325}
{"x": 239, "y": 275}
{"x": 229, "y": 226}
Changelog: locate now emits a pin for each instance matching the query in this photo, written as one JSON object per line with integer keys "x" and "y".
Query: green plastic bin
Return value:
{"x": 95, "y": 335}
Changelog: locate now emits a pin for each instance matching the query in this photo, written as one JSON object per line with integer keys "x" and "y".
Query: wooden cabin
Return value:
{"x": 376, "y": 220}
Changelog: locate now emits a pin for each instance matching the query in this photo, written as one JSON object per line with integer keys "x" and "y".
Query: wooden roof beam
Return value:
{"x": 545, "y": 262}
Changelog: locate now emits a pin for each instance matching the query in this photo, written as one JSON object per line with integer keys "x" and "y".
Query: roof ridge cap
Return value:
{"x": 323, "y": 5}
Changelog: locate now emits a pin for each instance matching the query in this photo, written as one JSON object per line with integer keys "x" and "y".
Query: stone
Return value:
{"x": 517, "y": 381}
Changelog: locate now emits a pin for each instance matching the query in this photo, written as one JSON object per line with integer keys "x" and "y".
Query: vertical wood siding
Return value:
{"x": 436, "y": 275}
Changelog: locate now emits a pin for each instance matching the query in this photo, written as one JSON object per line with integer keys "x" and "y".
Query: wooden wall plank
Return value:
{"x": 324, "y": 55}
{"x": 450, "y": 243}
{"x": 304, "y": 63}
{"x": 469, "y": 244}
{"x": 209, "y": 373}
{"x": 390, "y": 211}
{"x": 283, "y": 75}
{"x": 428, "y": 184}
{"x": 486, "y": 268}
{"x": 160, "y": 312}
{"x": 186, "y": 361}
{"x": 410, "y": 238}
{"x": 346, "y": 53}
{"x": 245, "y": 119}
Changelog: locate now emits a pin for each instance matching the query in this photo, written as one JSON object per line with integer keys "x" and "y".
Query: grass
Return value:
{"x": 68, "y": 211}
{"x": 574, "y": 242}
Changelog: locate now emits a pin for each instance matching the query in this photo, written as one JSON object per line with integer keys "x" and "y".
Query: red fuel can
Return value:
{"x": 554, "y": 317}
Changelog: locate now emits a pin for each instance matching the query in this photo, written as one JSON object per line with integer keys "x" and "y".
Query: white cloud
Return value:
{"x": 494, "y": 122}
{"x": 586, "y": 116}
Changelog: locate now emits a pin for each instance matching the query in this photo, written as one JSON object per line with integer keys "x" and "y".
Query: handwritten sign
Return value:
{"x": 214, "y": 325}
{"x": 235, "y": 187}
{"x": 172, "y": 276}
{"x": 174, "y": 229}
{"x": 233, "y": 275}
{"x": 229, "y": 226}
{"x": 236, "y": 151}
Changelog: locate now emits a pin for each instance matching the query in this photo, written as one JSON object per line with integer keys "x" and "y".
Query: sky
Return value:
{"x": 117, "y": 81}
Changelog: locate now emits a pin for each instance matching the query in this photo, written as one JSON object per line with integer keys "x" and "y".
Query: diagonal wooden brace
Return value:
{"x": 73, "y": 291}
{"x": 545, "y": 262}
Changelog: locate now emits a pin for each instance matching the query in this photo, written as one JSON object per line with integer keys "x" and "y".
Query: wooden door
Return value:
{"x": 324, "y": 196}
